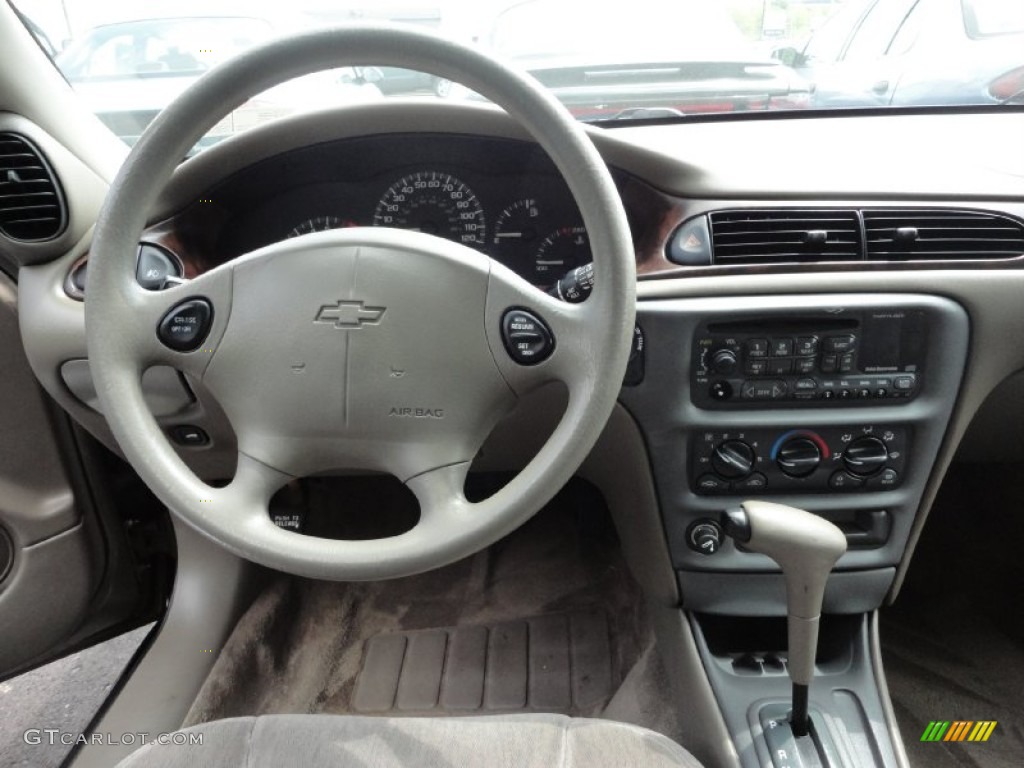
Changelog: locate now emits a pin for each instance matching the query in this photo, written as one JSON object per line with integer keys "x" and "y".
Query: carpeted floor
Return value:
{"x": 546, "y": 620}
{"x": 953, "y": 644}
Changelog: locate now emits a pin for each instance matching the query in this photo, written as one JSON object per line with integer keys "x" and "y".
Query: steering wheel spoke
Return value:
{"x": 537, "y": 338}
{"x": 182, "y": 325}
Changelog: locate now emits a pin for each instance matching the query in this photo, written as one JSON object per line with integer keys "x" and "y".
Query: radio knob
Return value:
{"x": 798, "y": 457}
{"x": 724, "y": 362}
{"x": 733, "y": 459}
{"x": 865, "y": 456}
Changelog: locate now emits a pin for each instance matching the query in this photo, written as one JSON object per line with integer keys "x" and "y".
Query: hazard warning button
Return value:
{"x": 691, "y": 244}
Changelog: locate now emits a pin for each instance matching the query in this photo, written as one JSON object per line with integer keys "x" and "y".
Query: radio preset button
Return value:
{"x": 829, "y": 363}
{"x": 780, "y": 367}
{"x": 782, "y": 347}
{"x": 805, "y": 365}
{"x": 807, "y": 346}
{"x": 846, "y": 363}
{"x": 757, "y": 347}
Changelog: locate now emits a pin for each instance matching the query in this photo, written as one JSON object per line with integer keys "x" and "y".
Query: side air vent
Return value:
{"x": 941, "y": 234}
{"x": 31, "y": 205}
{"x": 772, "y": 236}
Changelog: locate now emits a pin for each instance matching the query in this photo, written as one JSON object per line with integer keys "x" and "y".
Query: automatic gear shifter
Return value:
{"x": 806, "y": 547}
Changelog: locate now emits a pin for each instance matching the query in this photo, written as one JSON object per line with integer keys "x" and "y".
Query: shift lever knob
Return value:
{"x": 806, "y": 547}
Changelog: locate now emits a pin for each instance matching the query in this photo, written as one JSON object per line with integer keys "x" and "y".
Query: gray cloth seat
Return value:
{"x": 315, "y": 741}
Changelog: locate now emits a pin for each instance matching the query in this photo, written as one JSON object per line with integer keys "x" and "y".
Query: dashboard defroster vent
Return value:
{"x": 773, "y": 236}
{"x": 31, "y": 204}
{"x": 927, "y": 234}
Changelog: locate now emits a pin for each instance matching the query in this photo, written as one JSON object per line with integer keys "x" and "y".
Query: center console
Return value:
{"x": 835, "y": 404}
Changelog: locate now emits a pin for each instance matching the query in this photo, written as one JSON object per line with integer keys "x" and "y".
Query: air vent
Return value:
{"x": 941, "y": 234}
{"x": 775, "y": 236}
{"x": 31, "y": 206}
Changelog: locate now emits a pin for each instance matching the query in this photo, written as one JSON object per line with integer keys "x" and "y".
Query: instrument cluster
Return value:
{"x": 509, "y": 204}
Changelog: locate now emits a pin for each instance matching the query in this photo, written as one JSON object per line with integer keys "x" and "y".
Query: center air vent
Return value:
{"x": 31, "y": 207}
{"x": 772, "y": 236}
{"x": 941, "y": 234}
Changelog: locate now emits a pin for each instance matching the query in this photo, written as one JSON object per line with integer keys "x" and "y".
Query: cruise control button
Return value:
{"x": 185, "y": 327}
{"x": 527, "y": 338}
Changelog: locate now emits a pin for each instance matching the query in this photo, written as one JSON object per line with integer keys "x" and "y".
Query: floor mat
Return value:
{"x": 300, "y": 646}
{"x": 555, "y": 663}
{"x": 953, "y": 644}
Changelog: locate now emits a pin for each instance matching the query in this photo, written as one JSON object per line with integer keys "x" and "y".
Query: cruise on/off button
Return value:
{"x": 185, "y": 327}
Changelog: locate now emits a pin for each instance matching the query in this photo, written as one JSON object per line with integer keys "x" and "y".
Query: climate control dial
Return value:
{"x": 865, "y": 456}
{"x": 798, "y": 457}
{"x": 733, "y": 459}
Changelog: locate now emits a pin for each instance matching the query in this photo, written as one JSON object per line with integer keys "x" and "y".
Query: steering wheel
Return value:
{"x": 366, "y": 349}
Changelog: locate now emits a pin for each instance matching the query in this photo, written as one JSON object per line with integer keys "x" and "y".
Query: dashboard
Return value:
{"x": 501, "y": 197}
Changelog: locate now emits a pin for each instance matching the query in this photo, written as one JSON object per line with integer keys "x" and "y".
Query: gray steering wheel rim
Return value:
{"x": 113, "y": 297}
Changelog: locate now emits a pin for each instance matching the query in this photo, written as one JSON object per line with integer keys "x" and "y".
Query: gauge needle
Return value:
{"x": 508, "y": 234}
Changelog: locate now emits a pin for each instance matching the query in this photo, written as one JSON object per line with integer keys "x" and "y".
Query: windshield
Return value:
{"x": 656, "y": 59}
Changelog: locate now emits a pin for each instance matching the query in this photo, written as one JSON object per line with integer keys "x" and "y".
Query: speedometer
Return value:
{"x": 436, "y": 203}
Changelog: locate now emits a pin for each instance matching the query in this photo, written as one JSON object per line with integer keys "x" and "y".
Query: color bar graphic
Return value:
{"x": 959, "y": 730}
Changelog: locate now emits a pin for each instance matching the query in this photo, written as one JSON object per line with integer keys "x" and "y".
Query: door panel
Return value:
{"x": 56, "y": 554}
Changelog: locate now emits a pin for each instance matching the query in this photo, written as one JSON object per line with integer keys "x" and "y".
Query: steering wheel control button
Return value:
{"x": 186, "y": 326}
{"x": 527, "y": 338}
{"x": 155, "y": 266}
{"x": 705, "y": 536}
{"x": 189, "y": 436}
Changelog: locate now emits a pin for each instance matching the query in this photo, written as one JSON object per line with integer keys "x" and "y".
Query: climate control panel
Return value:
{"x": 866, "y": 457}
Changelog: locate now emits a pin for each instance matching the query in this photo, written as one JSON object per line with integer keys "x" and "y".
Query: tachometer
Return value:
{"x": 436, "y": 203}
{"x": 564, "y": 249}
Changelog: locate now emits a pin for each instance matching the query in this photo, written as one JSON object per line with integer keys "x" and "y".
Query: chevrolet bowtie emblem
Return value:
{"x": 349, "y": 314}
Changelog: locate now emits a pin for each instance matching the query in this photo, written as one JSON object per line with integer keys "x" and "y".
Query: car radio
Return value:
{"x": 869, "y": 357}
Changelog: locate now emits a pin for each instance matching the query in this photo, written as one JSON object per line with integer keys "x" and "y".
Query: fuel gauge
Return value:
{"x": 517, "y": 224}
